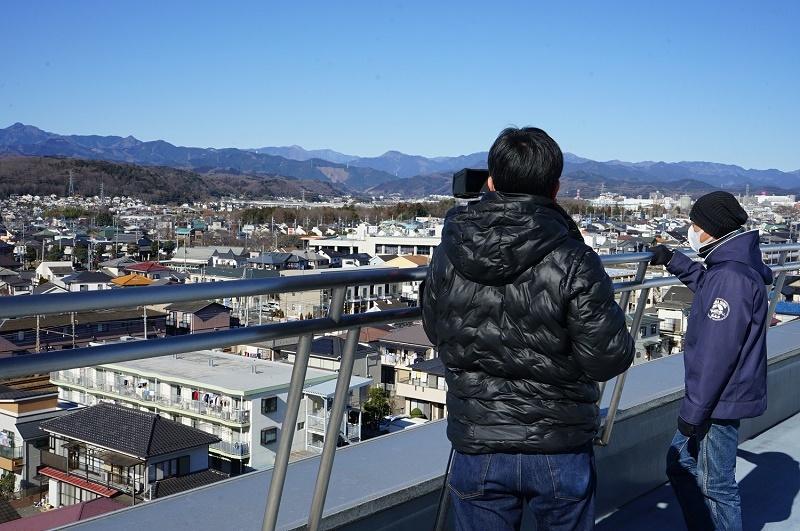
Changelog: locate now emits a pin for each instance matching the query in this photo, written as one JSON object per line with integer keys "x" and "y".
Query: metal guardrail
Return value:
{"x": 334, "y": 321}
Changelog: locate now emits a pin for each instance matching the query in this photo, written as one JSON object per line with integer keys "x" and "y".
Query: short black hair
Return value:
{"x": 525, "y": 161}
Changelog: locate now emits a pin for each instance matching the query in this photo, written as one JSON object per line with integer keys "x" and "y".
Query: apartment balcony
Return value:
{"x": 394, "y": 481}
{"x": 11, "y": 456}
{"x": 101, "y": 477}
{"x": 235, "y": 448}
{"x": 416, "y": 389}
{"x": 134, "y": 393}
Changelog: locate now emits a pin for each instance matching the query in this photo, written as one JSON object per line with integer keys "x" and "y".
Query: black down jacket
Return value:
{"x": 524, "y": 318}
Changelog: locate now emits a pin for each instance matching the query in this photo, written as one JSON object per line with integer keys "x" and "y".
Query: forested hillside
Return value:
{"x": 163, "y": 185}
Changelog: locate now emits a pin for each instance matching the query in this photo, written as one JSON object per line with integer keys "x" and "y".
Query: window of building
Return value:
{"x": 642, "y": 331}
{"x": 169, "y": 468}
{"x": 269, "y": 435}
{"x": 269, "y": 404}
{"x": 301, "y": 425}
{"x": 84, "y": 287}
{"x": 653, "y": 329}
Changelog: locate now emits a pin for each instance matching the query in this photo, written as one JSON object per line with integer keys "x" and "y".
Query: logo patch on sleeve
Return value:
{"x": 719, "y": 310}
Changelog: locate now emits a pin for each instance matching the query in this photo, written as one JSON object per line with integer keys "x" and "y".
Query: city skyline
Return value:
{"x": 684, "y": 82}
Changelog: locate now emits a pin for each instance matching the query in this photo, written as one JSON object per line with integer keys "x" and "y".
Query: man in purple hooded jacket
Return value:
{"x": 725, "y": 359}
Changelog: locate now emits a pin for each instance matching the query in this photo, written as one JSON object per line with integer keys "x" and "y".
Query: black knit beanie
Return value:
{"x": 718, "y": 213}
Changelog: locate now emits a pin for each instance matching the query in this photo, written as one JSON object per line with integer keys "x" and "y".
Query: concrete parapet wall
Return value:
{"x": 634, "y": 461}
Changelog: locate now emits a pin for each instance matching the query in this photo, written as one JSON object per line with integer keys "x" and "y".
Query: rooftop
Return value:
{"x": 631, "y": 488}
{"x": 230, "y": 373}
{"x": 130, "y": 431}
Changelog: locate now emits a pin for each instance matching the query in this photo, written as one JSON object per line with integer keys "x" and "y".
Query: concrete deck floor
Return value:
{"x": 768, "y": 472}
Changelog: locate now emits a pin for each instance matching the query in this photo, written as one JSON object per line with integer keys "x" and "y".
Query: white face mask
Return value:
{"x": 694, "y": 240}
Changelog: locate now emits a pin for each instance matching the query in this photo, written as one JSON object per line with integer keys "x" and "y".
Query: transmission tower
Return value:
{"x": 71, "y": 184}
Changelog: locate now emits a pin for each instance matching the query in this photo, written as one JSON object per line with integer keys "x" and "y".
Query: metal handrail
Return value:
{"x": 334, "y": 321}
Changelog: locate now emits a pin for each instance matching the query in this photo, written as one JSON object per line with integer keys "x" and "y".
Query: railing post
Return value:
{"x": 336, "y": 303}
{"x": 776, "y": 290}
{"x": 332, "y": 432}
{"x": 287, "y": 432}
{"x": 611, "y": 414}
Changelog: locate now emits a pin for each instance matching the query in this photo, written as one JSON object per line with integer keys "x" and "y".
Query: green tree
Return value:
{"x": 417, "y": 413}
{"x": 80, "y": 254}
{"x": 7, "y": 483}
{"x": 376, "y": 407}
{"x": 103, "y": 219}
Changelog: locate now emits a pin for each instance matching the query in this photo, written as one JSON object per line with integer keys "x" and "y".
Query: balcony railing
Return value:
{"x": 80, "y": 468}
{"x": 335, "y": 321}
{"x": 11, "y": 452}
{"x": 241, "y": 449}
{"x": 240, "y": 416}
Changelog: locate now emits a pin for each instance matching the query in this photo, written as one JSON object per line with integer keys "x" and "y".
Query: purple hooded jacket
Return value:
{"x": 725, "y": 354}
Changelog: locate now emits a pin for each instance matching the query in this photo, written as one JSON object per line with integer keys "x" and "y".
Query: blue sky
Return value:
{"x": 715, "y": 81}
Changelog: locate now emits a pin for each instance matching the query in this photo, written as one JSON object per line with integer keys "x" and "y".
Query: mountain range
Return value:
{"x": 391, "y": 173}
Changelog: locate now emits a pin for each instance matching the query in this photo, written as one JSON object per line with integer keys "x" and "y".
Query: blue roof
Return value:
{"x": 789, "y": 308}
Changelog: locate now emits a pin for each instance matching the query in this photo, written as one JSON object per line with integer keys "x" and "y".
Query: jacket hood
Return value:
{"x": 742, "y": 248}
{"x": 494, "y": 240}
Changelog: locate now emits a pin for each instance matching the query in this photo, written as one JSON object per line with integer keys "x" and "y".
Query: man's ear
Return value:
{"x": 555, "y": 190}
{"x": 490, "y": 184}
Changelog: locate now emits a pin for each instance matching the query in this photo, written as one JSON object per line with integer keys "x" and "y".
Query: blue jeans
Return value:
{"x": 701, "y": 470}
{"x": 488, "y": 490}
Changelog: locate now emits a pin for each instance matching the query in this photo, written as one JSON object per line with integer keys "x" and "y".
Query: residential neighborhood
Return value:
{"x": 199, "y": 417}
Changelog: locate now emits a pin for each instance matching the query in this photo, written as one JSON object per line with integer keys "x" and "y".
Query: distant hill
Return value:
{"x": 26, "y": 140}
{"x": 391, "y": 173}
{"x": 298, "y": 153}
{"x": 589, "y": 184}
{"x": 156, "y": 184}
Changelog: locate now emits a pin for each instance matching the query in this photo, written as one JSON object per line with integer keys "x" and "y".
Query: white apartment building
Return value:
{"x": 240, "y": 399}
{"x": 362, "y": 242}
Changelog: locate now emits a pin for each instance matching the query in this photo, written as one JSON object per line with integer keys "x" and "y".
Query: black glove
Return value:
{"x": 661, "y": 255}
{"x": 685, "y": 428}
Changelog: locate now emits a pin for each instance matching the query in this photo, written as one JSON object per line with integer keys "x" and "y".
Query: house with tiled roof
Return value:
{"x": 275, "y": 260}
{"x": 113, "y": 451}
{"x": 334, "y": 257}
{"x": 116, "y": 266}
{"x": 87, "y": 281}
{"x": 151, "y": 270}
{"x": 48, "y": 288}
{"x": 16, "y": 286}
{"x": 54, "y": 271}
{"x": 9, "y": 263}
{"x": 131, "y": 280}
{"x": 21, "y": 411}
{"x": 196, "y": 316}
{"x": 422, "y": 386}
{"x": 408, "y": 260}
{"x": 381, "y": 259}
{"x": 356, "y": 260}
{"x": 400, "y": 349}
{"x": 204, "y": 256}
{"x": 311, "y": 260}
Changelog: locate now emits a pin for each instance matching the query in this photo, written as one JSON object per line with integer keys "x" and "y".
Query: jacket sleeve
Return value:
{"x": 428, "y": 303}
{"x": 688, "y": 271}
{"x": 724, "y": 315}
{"x": 601, "y": 344}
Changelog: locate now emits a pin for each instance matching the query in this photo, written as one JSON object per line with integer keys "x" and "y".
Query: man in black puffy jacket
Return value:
{"x": 524, "y": 318}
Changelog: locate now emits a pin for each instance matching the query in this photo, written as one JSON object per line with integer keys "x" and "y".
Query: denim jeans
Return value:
{"x": 488, "y": 490}
{"x": 701, "y": 470}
